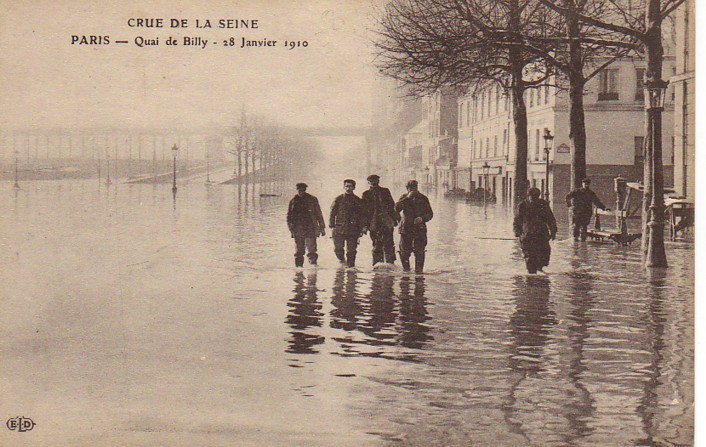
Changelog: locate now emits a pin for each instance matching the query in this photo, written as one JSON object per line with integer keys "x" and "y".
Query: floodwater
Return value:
{"x": 130, "y": 319}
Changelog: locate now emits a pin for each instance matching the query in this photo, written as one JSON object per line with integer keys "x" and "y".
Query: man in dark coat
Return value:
{"x": 535, "y": 225}
{"x": 416, "y": 212}
{"x": 381, "y": 219}
{"x": 306, "y": 223}
{"x": 348, "y": 223}
{"x": 580, "y": 202}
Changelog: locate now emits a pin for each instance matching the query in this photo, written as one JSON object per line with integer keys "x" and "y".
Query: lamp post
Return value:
{"x": 548, "y": 142}
{"x": 655, "y": 93}
{"x": 175, "y": 149}
{"x": 17, "y": 161}
{"x": 208, "y": 168}
{"x": 486, "y": 172}
{"x": 107, "y": 160}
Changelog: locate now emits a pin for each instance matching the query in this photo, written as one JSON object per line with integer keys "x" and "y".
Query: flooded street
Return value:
{"x": 131, "y": 319}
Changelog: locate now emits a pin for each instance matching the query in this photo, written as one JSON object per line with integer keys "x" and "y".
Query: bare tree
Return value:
{"x": 427, "y": 44}
{"x": 642, "y": 20}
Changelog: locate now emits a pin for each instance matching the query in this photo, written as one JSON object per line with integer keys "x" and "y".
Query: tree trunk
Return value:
{"x": 519, "y": 117}
{"x": 577, "y": 81}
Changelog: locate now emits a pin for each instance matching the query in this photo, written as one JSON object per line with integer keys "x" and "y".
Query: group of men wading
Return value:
{"x": 351, "y": 216}
{"x": 377, "y": 213}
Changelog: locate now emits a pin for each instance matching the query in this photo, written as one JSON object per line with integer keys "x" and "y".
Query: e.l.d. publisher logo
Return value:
{"x": 20, "y": 424}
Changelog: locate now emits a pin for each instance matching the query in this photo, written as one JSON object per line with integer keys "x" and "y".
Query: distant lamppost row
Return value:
{"x": 17, "y": 161}
{"x": 548, "y": 142}
{"x": 175, "y": 149}
{"x": 655, "y": 92}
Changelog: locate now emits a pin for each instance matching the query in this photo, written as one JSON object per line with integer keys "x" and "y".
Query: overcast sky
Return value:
{"x": 48, "y": 82}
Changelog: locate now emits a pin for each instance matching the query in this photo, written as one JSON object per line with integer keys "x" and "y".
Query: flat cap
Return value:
{"x": 373, "y": 177}
{"x": 302, "y": 186}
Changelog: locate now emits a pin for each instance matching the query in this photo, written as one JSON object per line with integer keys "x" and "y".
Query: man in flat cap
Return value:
{"x": 347, "y": 221}
{"x": 580, "y": 202}
{"x": 381, "y": 219}
{"x": 306, "y": 223}
{"x": 416, "y": 212}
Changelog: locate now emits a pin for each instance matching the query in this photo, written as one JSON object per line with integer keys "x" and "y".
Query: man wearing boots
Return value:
{"x": 306, "y": 223}
{"x": 381, "y": 220}
{"x": 416, "y": 212}
{"x": 580, "y": 202}
{"x": 348, "y": 223}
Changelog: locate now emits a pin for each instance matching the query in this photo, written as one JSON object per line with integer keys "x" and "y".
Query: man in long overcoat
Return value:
{"x": 416, "y": 212}
{"x": 347, "y": 220}
{"x": 306, "y": 223}
{"x": 580, "y": 202}
{"x": 381, "y": 220}
{"x": 535, "y": 225}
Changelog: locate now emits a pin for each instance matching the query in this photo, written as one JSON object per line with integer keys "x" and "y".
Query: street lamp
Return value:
{"x": 107, "y": 159}
{"x": 548, "y": 143}
{"x": 17, "y": 161}
{"x": 486, "y": 172}
{"x": 655, "y": 93}
{"x": 175, "y": 149}
{"x": 208, "y": 168}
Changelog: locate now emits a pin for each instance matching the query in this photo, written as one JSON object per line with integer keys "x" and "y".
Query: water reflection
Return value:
{"x": 305, "y": 316}
{"x": 380, "y": 318}
{"x": 531, "y": 323}
{"x": 379, "y": 312}
{"x": 580, "y": 404}
{"x": 413, "y": 313}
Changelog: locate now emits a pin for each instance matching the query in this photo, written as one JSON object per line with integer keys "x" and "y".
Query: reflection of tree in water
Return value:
{"x": 413, "y": 313}
{"x": 377, "y": 316}
{"x": 655, "y": 324}
{"x": 304, "y": 313}
{"x": 580, "y": 404}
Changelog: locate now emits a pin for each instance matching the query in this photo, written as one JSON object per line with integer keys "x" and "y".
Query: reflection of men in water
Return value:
{"x": 413, "y": 313}
{"x": 348, "y": 223}
{"x": 535, "y": 225}
{"x": 304, "y": 313}
{"x": 306, "y": 223}
{"x": 416, "y": 212}
{"x": 580, "y": 202}
{"x": 381, "y": 220}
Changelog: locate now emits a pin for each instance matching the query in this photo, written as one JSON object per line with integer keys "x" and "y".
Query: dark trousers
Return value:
{"x": 413, "y": 242}
{"x": 305, "y": 243}
{"x": 536, "y": 251}
{"x": 346, "y": 247}
{"x": 383, "y": 246}
{"x": 579, "y": 225}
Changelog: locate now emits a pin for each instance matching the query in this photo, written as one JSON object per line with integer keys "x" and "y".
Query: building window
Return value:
{"x": 546, "y": 94}
{"x": 608, "y": 85}
{"x": 460, "y": 115}
{"x": 640, "y": 84}
{"x": 639, "y": 150}
{"x": 497, "y": 99}
{"x": 539, "y": 95}
{"x": 507, "y": 101}
{"x": 468, "y": 113}
{"x": 504, "y": 140}
{"x": 487, "y": 147}
{"x": 495, "y": 146}
{"x": 531, "y": 95}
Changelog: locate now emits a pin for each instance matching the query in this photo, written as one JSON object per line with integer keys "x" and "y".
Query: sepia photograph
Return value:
{"x": 346, "y": 223}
